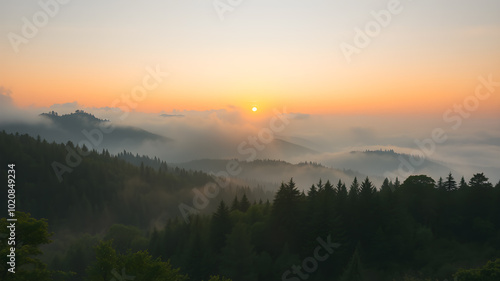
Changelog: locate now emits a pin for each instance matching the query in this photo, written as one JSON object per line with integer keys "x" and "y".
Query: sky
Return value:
{"x": 421, "y": 59}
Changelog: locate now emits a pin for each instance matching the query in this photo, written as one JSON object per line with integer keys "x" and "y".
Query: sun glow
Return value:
{"x": 254, "y": 109}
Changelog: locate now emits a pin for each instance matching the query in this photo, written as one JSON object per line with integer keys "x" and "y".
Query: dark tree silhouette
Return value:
{"x": 450, "y": 183}
{"x": 479, "y": 180}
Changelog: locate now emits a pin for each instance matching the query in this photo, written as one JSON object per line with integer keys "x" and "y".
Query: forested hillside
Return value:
{"x": 113, "y": 218}
{"x": 411, "y": 229}
{"x": 87, "y": 191}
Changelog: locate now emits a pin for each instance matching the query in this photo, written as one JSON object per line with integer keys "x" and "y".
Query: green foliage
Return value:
{"x": 489, "y": 272}
{"x": 403, "y": 230}
{"x": 220, "y": 226}
{"x": 450, "y": 183}
{"x": 463, "y": 184}
{"x": 126, "y": 237}
{"x": 354, "y": 270}
{"x": 140, "y": 265}
{"x": 244, "y": 204}
{"x": 77, "y": 256}
{"x": 479, "y": 181}
{"x": 354, "y": 189}
{"x": 30, "y": 235}
{"x": 100, "y": 190}
{"x": 420, "y": 181}
{"x": 236, "y": 204}
{"x": 440, "y": 183}
{"x": 238, "y": 256}
{"x": 287, "y": 206}
{"x": 283, "y": 262}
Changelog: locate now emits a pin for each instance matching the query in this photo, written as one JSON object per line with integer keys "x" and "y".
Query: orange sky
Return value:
{"x": 280, "y": 61}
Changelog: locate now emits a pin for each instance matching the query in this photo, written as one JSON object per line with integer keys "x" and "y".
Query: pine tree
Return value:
{"x": 440, "y": 184}
{"x": 142, "y": 168}
{"x": 450, "y": 184}
{"x": 320, "y": 185}
{"x": 352, "y": 212}
{"x": 220, "y": 226}
{"x": 312, "y": 192}
{"x": 341, "y": 198}
{"x": 244, "y": 203}
{"x": 325, "y": 220}
{"x": 354, "y": 270}
{"x": 286, "y": 206}
{"x": 267, "y": 208}
{"x": 385, "y": 186}
{"x": 329, "y": 192}
{"x": 367, "y": 189}
{"x": 236, "y": 204}
{"x": 463, "y": 184}
{"x": 341, "y": 190}
{"x": 354, "y": 189}
{"x": 283, "y": 262}
{"x": 397, "y": 184}
{"x": 367, "y": 210}
{"x": 196, "y": 262}
{"x": 286, "y": 215}
{"x": 238, "y": 256}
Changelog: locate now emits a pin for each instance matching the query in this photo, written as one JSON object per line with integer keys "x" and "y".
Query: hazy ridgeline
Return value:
{"x": 346, "y": 146}
{"x": 416, "y": 228}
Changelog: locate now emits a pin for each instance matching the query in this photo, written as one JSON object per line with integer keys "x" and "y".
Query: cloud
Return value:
{"x": 363, "y": 134}
{"x": 9, "y": 113}
{"x": 65, "y": 108}
{"x": 299, "y": 116}
{"x": 5, "y": 98}
{"x": 171, "y": 115}
{"x": 218, "y": 133}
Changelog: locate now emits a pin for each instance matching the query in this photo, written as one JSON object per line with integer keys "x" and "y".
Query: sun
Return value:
{"x": 254, "y": 109}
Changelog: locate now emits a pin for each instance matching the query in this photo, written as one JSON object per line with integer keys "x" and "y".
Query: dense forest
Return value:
{"x": 96, "y": 189}
{"x": 108, "y": 219}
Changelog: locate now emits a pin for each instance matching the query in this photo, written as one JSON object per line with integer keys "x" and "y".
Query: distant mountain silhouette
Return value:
{"x": 380, "y": 162}
{"x": 171, "y": 115}
{"x": 72, "y": 127}
{"x": 79, "y": 118}
{"x": 281, "y": 149}
{"x": 271, "y": 172}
